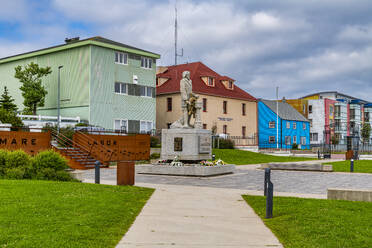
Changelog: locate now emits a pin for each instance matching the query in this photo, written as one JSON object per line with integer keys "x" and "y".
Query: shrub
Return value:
{"x": 45, "y": 174}
{"x": 14, "y": 173}
{"x": 49, "y": 159}
{"x": 155, "y": 155}
{"x": 154, "y": 141}
{"x": 67, "y": 132}
{"x": 3, "y": 156}
{"x": 64, "y": 176}
{"x": 17, "y": 159}
{"x": 226, "y": 144}
{"x": 294, "y": 146}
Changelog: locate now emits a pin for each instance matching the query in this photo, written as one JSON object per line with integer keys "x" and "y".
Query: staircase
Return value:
{"x": 79, "y": 155}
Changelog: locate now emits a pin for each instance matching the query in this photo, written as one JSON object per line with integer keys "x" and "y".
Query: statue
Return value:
{"x": 189, "y": 105}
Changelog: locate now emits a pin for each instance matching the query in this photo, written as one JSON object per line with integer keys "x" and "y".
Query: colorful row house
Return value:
{"x": 281, "y": 126}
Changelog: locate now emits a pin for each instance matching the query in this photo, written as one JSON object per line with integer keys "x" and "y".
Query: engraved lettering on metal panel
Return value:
{"x": 205, "y": 144}
{"x": 178, "y": 144}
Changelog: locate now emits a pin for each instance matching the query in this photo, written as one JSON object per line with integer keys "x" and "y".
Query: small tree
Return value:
{"x": 6, "y": 101}
{"x": 33, "y": 91}
{"x": 366, "y": 132}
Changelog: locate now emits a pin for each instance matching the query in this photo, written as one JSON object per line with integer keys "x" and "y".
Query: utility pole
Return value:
{"x": 59, "y": 99}
{"x": 277, "y": 117}
{"x": 176, "y": 37}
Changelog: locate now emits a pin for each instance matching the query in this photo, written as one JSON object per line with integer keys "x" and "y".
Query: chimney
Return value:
{"x": 283, "y": 100}
{"x": 72, "y": 40}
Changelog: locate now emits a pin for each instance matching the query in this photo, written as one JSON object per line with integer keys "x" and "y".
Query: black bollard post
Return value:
{"x": 213, "y": 157}
{"x": 351, "y": 165}
{"x": 267, "y": 180}
{"x": 269, "y": 200}
{"x": 97, "y": 166}
{"x": 318, "y": 154}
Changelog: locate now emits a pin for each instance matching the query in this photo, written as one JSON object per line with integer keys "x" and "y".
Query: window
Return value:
{"x": 272, "y": 124}
{"x": 288, "y": 140}
{"x": 169, "y": 125}
{"x": 204, "y": 126}
{"x": 121, "y": 88}
{"x": 243, "y": 108}
{"x": 288, "y": 125}
{"x": 146, "y": 63}
{"x": 225, "y": 107}
{"x": 121, "y": 58}
{"x": 310, "y": 109}
{"x": 331, "y": 110}
{"x": 243, "y": 131}
{"x": 169, "y": 104}
{"x": 303, "y": 140}
{"x": 204, "y": 104}
{"x": 121, "y": 125}
{"x": 145, "y": 126}
{"x": 271, "y": 139}
{"x": 294, "y": 139}
{"x": 210, "y": 81}
{"x": 224, "y": 129}
{"x": 146, "y": 91}
{"x": 313, "y": 136}
{"x": 294, "y": 125}
{"x": 303, "y": 125}
{"x": 230, "y": 84}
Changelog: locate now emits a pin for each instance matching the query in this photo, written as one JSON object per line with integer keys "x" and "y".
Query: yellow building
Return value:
{"x": 227, "y": 109}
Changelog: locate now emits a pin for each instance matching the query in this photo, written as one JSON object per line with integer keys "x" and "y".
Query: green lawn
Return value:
{"x": 361, "y": 166}
{"x": 65, "y": 214}
{"x": 315, "y": 223}
{"x": 239, "y": 157}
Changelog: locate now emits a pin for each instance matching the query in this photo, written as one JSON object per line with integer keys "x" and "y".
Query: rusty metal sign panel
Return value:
{"x": 30, "y": 142}
{"x": 124, "y": 147}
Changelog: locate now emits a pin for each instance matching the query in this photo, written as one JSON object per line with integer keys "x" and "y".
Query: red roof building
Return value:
{"x": 226, "y": 108}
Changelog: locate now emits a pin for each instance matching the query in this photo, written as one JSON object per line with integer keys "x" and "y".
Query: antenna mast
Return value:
{"x": 175, "y": 37}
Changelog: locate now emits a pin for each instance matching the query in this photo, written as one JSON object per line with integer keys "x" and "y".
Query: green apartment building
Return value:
{"x": 105, "y": 83}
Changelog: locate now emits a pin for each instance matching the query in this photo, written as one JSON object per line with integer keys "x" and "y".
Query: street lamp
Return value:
{"x": 59, "y": 99}
{"x": 277, "y": 117}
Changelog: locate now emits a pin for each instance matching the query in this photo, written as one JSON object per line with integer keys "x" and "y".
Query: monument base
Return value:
{"x": 194, "y": 170}
{"x": 188, "y": 144}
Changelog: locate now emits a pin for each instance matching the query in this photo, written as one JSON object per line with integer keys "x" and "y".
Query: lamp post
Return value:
{"x": 277, "y": 118}
{"x": 59, "y": 99}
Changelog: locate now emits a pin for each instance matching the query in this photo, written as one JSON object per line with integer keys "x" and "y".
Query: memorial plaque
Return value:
{"x": 205, "y": 144}
{"x": 178, "y": 144}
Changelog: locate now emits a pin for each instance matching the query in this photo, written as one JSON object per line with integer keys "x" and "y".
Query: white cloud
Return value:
{"x": 265, "y": 21}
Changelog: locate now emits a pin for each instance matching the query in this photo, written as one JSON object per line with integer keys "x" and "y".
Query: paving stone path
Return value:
{"x": 249, "y": 178}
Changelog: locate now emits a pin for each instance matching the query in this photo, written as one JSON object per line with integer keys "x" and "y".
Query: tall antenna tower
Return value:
{"x": 175, "y": 37}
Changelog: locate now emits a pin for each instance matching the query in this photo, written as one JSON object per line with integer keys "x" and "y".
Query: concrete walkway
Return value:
{"x": 189, "y": 216}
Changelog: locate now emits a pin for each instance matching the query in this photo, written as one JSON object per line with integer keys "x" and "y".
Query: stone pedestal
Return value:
{"x": 188, "y": 143}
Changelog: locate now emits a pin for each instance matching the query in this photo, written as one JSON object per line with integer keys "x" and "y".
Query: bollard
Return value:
{"x": 269, "y": 200}
{"x": 97, "y": 166}
{"x": 267, "y": 180}
{"x": 213, "y": 157}
{"x": 318, "y": 154}
{"x": 351, "y": 165}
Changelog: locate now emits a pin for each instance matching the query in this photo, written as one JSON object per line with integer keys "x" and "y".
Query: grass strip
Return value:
{"x": 360, "y": 166}
{"x": 240, "y": 157}
{"x": 317, "y": 223}
{"x": 65, "y": 214}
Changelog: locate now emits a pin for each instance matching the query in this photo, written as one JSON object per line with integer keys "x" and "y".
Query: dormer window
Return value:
{"x": 231, "y": 84}
{"x": 210, "y": 81}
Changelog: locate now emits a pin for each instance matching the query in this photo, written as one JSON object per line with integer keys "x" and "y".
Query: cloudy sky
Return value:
{"x": 301, "y": 46}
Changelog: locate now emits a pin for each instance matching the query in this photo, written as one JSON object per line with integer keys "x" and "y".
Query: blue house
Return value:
{"x": 293, "y": 128}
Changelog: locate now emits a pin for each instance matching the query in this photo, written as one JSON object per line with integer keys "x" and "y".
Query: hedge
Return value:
{"x": 46, "y": 165}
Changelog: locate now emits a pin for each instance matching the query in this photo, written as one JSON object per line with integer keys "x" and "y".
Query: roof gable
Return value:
{"x": 286, "y": 111}
{"x": 197, "y": 71}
